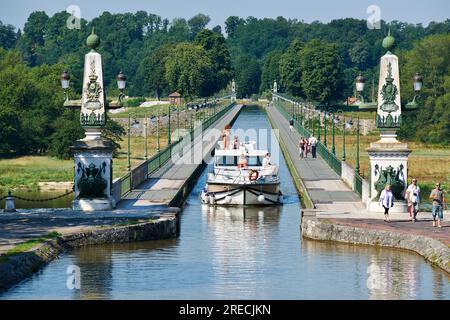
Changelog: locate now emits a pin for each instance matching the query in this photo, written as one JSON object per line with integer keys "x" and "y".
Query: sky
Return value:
{"x": 16, "y": 12}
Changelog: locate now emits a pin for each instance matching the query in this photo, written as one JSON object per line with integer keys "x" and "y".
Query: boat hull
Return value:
{"x": 224, "y": 194}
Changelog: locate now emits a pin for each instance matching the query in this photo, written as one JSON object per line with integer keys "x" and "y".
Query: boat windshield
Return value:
{"x": 229, "y": 161}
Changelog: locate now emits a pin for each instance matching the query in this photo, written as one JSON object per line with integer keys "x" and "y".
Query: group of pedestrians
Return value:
{"x": 413, "y": 198}
{"x": 306, "y": 146}
{"x": 412, "y": 194}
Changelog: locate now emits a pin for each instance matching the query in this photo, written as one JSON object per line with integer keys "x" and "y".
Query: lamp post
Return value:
{"x": 343, "y": 139}
{"x": 158, "y": 146}
{"x": 169, "y": 142}
{"x": 121, "y": 83}
{"x": 340, "y": 117}
{"x": 93, "y": 154}
{"x": 319, "y": 124}
{"x": 191, "y": 119}
{"x": 417, "y": 83}
{"x": 325, "y": 123}
{"x": 178, "y": 123}
{"x": 146, "y": 136}
{"x": 360, "y": 83}
{"x": 357, "y": 147}
{"x": 136, "y": 122}
{"x": 301, "y": 114}
{"x": 333, "y": 148}
{"x": 65, "y": 84}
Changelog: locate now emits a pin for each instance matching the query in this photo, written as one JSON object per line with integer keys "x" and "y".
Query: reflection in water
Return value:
{"x": 96, "y": 275}
{"x": 64, "y": 202}
{"x": 387, "y": 274}
{"x": 239, "y": 253}
{"x": 100, "y": 275}
{"x": 240, "y": 240}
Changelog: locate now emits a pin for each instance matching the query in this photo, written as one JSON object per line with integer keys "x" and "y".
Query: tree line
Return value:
{"x": 316, "y": 61}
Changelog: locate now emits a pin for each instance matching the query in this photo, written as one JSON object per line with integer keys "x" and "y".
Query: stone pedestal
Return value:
{"x": 388, "y": 163}
{"x": 93, "y": 175}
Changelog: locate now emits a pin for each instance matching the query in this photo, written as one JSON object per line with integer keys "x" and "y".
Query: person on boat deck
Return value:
{"x": 242, "y": 162}
{"x": 226, "y": 137}
{"x": 267, "y": 164}
{"x": 236, "y": 143}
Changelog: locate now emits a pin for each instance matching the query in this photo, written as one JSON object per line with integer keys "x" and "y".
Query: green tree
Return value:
{"x": 231, "y": 24}
{"x": 11, "y": 134}
{"x": 321, "y": 65}
{"x": 291, "y": 70}
{"x": 33, "y": 35}
{"x": 270, "y": 70}
{"x": 8, "y": 36}
{"x": 67, "y": 131}
{"x": 216, "y": 48}
{"x": 431, "y": 122}
{"x": 152, "y": 70}
{"x": 247, "y": 75}
{"x": 188, "y": 70}
{"x": 197, "y": 23}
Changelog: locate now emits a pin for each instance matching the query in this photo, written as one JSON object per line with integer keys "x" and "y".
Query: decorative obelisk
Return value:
{"x": 93, "y": 154}
{"x": 388, "y": 156}
{"x": 275, "y": 90}
{"x": 233, "y": 91}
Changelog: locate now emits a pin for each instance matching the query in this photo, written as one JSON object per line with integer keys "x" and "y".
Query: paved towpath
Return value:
{"x": 24, "y": 225}
{"x": 422, "y": 227}
{"x": 164, "y": 184}
{"x": 326, "y": 189}
{"x": 330, "y": 195}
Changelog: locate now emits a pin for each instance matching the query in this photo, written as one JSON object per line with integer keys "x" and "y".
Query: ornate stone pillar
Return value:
{"x": 275, "y": 90}
{"x": 93, "y": 154}
{"x": 388, "y": 156}
{"x": 233, "y": 91}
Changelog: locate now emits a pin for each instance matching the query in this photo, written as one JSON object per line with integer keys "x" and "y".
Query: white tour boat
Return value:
{"x": 231, "y": 183}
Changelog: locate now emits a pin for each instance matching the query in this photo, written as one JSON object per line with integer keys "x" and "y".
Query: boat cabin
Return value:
{"x": 230, "y": 157}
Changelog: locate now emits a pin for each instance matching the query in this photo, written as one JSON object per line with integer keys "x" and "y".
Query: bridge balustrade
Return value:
{"x": 282, "y": 103}
{"x": 126, "y": 183}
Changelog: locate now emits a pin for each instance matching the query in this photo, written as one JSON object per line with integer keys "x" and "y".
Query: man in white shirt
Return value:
{"x": 313, "y": 143}
{"x": 413, "y": 197}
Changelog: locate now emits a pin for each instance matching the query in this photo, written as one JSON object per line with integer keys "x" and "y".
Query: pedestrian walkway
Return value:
{"x": 422, "y": 227}
{"x": 332, "y": 198}
{"x": 164, "y": 185}
{"x": 325, "y": 188}
{"x": 25, "y": 225}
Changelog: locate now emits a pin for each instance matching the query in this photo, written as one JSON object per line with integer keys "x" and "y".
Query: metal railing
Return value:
{"x": 127, "y": 183}
{"x": 322, "y": 150}
{"x": 329, "y": 158}
{"x": 357, "y": 187}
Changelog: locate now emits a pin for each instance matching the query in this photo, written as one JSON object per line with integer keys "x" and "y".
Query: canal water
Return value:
{"x": 39, "y": 199}
{"x": 251, "y": 253}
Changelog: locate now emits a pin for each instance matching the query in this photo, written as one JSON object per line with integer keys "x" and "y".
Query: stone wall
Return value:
{"x": 432, "y": 250}
{"x": 16, "y": 268}
{"x": 348, "y": 174}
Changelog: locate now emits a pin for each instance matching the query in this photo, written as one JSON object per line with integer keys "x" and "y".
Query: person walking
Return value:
{"x": 291, "y": 124}
{"x": 301, "y": 148}
{"x": 413, "y": 197}
{"x": 306, "y": 148}
{"x": 313, "y": 144}
{"x": 387, "y": 201}
{"x": 437, "y": 211}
